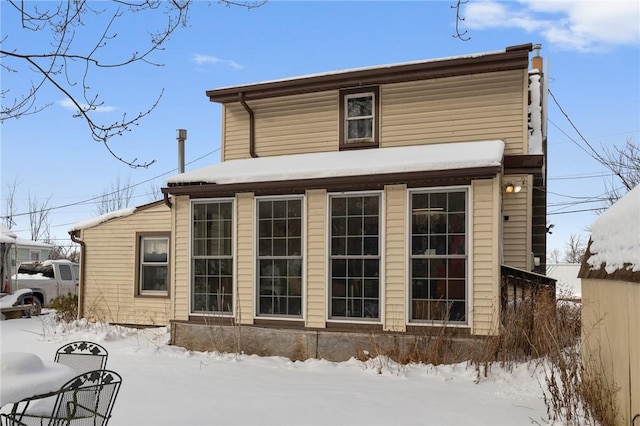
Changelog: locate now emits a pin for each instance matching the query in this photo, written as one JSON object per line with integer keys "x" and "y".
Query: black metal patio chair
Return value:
{"x": 82, "y": 356}
{"x": 86, "y": 400}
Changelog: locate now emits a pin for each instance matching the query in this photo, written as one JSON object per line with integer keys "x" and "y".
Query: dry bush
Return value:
{"x": 66, "y": 307}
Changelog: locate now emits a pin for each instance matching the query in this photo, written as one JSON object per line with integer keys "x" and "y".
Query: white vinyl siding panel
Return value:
{"x": 517, "y": 230}
{"x": 316, "y": 211}
{"x": 454, "y": 109}
{"x": 485, "y": 255}
{"x": 395, "y": 242}
{"x": 245, "y": 258}
{"x": 109, "y": 290}
{"x": 294, "y": 124}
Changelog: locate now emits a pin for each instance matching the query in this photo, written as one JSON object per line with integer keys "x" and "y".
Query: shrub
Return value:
{"x": 66, "y": 307}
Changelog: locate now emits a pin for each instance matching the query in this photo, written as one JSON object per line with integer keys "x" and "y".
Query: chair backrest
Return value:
{"x": 87, "y": 399}
{"x": 82, "y": 356}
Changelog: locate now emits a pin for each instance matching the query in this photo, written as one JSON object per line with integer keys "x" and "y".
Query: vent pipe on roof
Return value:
{"x": 181, "y": 136}
{"x": 536, "y": 61}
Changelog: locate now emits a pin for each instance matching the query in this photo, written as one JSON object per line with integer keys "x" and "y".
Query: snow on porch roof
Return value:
{"x": 444, "y": 156}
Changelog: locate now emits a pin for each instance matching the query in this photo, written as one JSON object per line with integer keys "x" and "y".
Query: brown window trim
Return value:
{"x": 376, "y": 118}
{"x": 136, "y": 290}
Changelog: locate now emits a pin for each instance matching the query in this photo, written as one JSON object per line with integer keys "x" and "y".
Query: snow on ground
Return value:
{"x": 168, "y": 385}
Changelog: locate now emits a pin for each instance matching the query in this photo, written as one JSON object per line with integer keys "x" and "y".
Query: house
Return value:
{"x": 28, "y": 251}
{"x": 395, "y": 199}
{"x": 610, "y": 275}
{"x": 567, "y": 281}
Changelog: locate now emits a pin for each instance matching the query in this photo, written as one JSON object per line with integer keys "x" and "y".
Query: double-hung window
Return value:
{"x": 212, "y": 257}
{"x": 359, "y": 117}
{"x": 279, "y": 259}
{"x": 153, "y": 267}
{"x": 354, "y": 256}
{"x": 438, "y": 260}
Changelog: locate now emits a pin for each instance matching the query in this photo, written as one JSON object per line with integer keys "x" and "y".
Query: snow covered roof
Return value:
{"x": 369, "y": 68}
{"x": 23, "y": 242}
{"x": 449, "y": 156}
{"x": 615, "y": 237}
{"x": 102, "y": 218}
{"x": 511, "y": 58}
{"x": 7, "y": 235}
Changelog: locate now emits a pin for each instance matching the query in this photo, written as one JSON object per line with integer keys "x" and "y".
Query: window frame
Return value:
{"x": 230, "y": 257}
{"x": 140, "y": 237}
{"x": 379, "y": 257}
{"x": 300, "y": 258}
{"x": 372, "y": 142}
{"x": 466, "y": 257}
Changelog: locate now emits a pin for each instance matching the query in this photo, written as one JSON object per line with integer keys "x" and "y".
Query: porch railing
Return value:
{"x": 520, "y": 286}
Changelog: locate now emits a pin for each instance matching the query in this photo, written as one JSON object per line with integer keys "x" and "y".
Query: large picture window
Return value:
{"x": 359, "y": 118}
{"x": 212, "y": 258}
{"x": 439, "y": 256}
{"x": 280, "y": 257}
{"x": 355, "y": 256}
{"x": 153, "y": 265}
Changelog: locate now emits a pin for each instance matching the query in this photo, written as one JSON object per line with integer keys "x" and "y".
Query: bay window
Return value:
{"x": 354, "y": 256}
{"x": 212, "y": 257}
{"x": 438, "y": 256}
{"x": 279, "y": 260}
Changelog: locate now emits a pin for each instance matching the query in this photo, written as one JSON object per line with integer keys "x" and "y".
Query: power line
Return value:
{"x": 87, "y": 201}
{"x": 574, "y": 211}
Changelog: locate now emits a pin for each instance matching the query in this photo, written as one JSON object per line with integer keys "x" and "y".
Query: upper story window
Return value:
{"x": 359, "y": 111}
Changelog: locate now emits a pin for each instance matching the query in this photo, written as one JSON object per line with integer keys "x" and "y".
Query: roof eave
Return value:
{"x": 515, "y": 57}
{"x": 452, "y": 176}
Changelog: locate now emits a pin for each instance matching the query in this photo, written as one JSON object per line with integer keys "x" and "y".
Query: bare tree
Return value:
{"x": 39, "y": 219}
{"x": 10, "y": 204}
{"x": 83, "y": 40}
{"x": 625, "y": 164}
{"x": 154, "y": 193}
{"x": 575, "y": 249}
{"x": 554, "y": 256}
{"x": 117, "y": 197}
{"x": 60, "y": 251}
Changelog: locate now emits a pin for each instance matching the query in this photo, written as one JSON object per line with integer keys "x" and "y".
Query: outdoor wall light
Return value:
{"x": 510, "y": 187}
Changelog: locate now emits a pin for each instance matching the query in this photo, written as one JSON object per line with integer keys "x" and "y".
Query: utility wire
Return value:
{"x": 87, "y": 201}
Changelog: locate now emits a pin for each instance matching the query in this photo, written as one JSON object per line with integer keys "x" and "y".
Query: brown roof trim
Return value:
{"x": 513, "y": 58}
{"x": 602, "y": 274}
{"x": 523, "y": 163}
{"x": 341, "y": 183}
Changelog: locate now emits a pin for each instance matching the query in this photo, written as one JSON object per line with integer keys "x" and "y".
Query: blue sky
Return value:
{"x": 591, "y": 49}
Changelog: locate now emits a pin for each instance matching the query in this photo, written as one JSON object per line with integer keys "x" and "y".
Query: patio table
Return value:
{"x": 25, "y": 375}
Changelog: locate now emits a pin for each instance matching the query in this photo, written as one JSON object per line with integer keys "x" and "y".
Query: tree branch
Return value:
{"x": 71, "y": 48}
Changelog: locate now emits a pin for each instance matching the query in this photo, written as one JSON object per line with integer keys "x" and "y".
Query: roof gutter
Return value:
{"x": 83, "y": 249}
{"x": 252, "y": 145}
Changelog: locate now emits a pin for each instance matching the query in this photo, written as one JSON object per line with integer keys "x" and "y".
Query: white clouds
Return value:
{"x": 588, "y": 25}
{"x": 68, "y": 104}
{"x": 208, "y": 59}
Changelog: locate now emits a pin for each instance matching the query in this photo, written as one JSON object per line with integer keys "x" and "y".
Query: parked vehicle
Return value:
{"x": 47, "y": 280}
{"x": 20, "y": 303}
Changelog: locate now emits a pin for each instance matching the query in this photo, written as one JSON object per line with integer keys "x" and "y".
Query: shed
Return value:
{"x": 610, "y": 275}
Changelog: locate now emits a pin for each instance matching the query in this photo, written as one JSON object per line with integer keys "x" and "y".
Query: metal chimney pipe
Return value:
{"x": 181, "y": 136}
